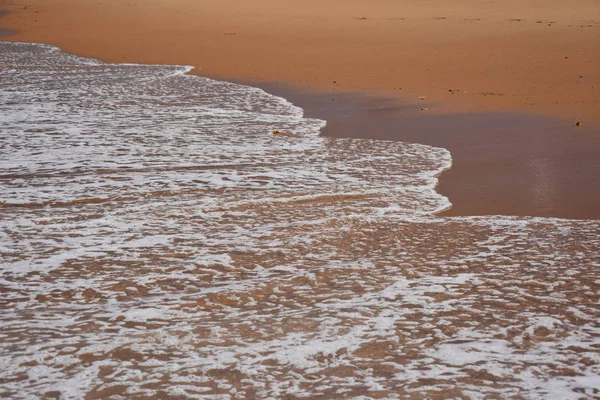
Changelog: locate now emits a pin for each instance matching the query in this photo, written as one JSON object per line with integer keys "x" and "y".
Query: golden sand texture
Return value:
{"x": 465, "y": 55}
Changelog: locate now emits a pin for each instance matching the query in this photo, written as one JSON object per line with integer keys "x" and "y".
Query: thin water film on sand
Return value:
{"x": 157, "y": 240}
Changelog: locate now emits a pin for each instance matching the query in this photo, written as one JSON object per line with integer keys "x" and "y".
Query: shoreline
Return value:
{"x": 504, "y": 162}
{"x": 530, "y": 56}
{"x": 533, "y": 182}
{"x": 201, "y": 240}
{"x": 528, "y": 165}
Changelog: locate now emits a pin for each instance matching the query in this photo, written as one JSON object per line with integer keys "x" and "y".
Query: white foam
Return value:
{"x": 155, "y": 234}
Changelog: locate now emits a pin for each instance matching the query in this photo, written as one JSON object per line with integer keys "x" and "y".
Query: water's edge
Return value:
{"x": 504, "y": 163}
{"x": 159, "y": 240}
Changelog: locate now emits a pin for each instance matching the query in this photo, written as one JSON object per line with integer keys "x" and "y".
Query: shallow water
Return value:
{"x": 158, "y": 240}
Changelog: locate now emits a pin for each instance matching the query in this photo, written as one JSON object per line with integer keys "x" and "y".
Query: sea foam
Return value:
{"x": 157, "y": 239}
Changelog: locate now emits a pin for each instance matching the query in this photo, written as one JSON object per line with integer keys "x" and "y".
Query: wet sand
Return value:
{"x": 503, "y": 163}
{"x": 5, "y": 32}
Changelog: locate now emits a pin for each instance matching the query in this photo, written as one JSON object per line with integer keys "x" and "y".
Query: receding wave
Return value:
{"x": 157, "y": 240}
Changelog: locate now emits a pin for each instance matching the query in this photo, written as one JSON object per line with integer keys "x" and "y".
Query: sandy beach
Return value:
{"x": 167, "y": 235}
{"x": 504, "y": 163}
{"x": 531, "y": 56}
{"x": 464, "y": 76}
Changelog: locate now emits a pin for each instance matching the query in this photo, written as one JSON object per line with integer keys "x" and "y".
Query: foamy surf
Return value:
{"x": 157, "y": 240}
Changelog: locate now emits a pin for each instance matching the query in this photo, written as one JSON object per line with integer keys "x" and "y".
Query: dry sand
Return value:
{"x": 533, "y": 55}
{"x": 466, "y": 58}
